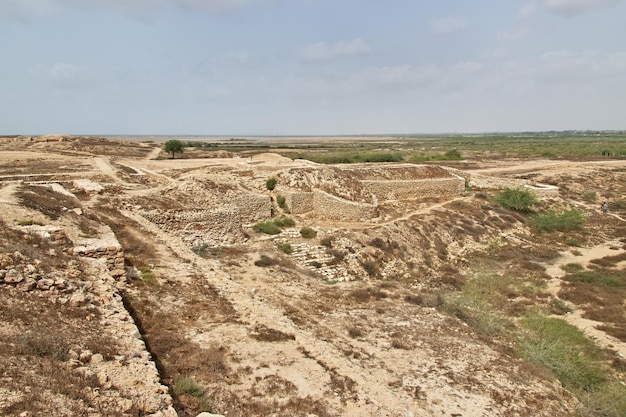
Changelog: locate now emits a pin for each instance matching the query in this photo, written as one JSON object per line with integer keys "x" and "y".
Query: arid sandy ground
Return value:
{"x": 278, "y": 337}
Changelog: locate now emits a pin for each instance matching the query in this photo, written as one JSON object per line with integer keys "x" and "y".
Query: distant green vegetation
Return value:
{"x": 451, "y": 155}
{"x": 423, "y": 148}
{"x": 353, "y": 157}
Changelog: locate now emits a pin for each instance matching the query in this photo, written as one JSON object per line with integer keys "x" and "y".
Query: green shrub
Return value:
{"x": 186, "y": 385}
{"x": 307, "y": 232}
{"x": 516, "y": 199}
{"x": 285, "y": 247}
{"x": 284, "y": 221}
{"x": 269, "y": 227}
{"x": 552, "y": 221}
{"x": 282, "y": 203}
{"x": 270, "y": 184}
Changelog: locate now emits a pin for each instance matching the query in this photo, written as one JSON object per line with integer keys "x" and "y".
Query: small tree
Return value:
{"x": 174, "y": 146}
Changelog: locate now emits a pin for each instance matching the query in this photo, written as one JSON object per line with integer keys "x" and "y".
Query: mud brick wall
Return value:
{"x": 412, "y": 189}
{"x": 329, "y": 206}
{"x": 213, "y": 227}
{"x": 300, "y": 202}
{"x": 252, "y": 208}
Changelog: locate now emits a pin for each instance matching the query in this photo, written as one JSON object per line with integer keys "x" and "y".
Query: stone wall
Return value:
{"x": 330, "y": 207}
{"x": 413, "y": 189}
{"x": 252, "y": 208}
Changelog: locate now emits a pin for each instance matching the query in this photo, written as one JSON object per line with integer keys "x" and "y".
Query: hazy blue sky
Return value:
{"x": 237, "y": 67}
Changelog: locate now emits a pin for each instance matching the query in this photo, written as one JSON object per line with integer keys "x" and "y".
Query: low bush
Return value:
{"x": 268, "y": 227}
{"x": 186, "y": 385}
{"x": 552, "y": 221}
{"x": 285, "y": 247}
{"x": 282, "y": 203}
{"x": 516, "y": 199}
{"x": 270, "y": 184}
{"x": 308, "y": 233}
{"x": 284, "y": 221}
{"x": 265, "y": 260}
{"x": 327, "y": 242}
{"x": 29, "y": 222}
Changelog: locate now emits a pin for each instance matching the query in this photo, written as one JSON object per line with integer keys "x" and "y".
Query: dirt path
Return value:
{"x": 105, "y": 167}
{"x": 153, "y": 154}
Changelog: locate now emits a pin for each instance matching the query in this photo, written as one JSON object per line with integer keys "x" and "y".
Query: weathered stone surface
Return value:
{"x": 45, "y": 283}
{"x": 13, "y": 276}
{"x": 27, "y": 285}
{"x": 5, "y": 260}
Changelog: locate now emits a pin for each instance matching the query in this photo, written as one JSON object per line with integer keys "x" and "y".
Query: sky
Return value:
{"x": 311, "y": 67}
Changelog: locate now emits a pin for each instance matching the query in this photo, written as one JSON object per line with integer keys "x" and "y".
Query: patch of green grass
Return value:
{"x": 575, "y": 360}
{"x": 186, "y": 385}
{"x": 552, "y": 221}
{"x": 517, "y": 199}
{"x": 147, "y": 275}
{"x": 284, "y": 221}
{"x": 572, "y": 267}
{"x": 285, "y": 247}
{"x": 268, "y": 227}
{"x": 599, "y": 277}
{"x": 273, "y": 227}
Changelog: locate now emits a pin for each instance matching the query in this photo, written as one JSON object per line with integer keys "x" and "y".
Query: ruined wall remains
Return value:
{"x": 329, "y": 206}
{"x": 252, "y": 208}
{"x": 413, "y": 189}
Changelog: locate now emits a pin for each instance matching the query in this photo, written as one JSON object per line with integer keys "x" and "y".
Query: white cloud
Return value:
{"x": 574, "y": 7}
{"x": 59, "y": 71}
{"x": 590, "y": 67}
{"x": 527, "y": 11}
{"x": 322, "y": 51}
{"x": 22, "y": 8}
{"x": 448, "y": 25}
{"x": 516, "y": 33}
